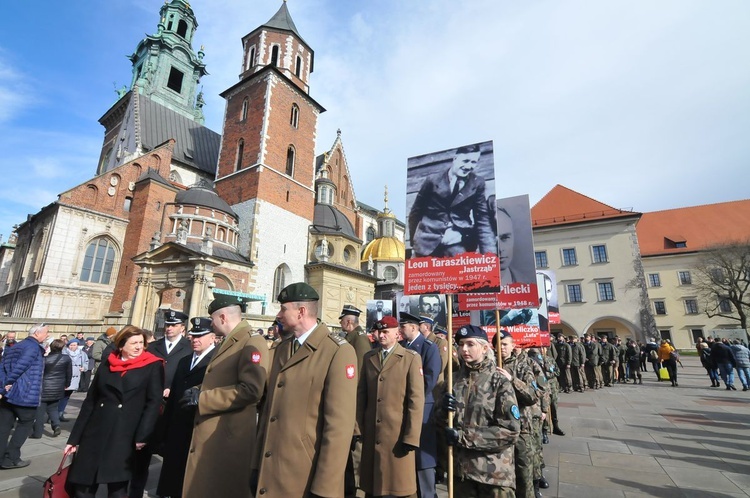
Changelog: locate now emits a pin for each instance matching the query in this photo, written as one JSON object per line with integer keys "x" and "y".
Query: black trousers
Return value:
{"x": 23, "y": 418}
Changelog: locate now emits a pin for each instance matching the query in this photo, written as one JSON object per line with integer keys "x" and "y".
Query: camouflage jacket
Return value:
{"x": 529, "y": 393}
{"x": 488, "y": 421}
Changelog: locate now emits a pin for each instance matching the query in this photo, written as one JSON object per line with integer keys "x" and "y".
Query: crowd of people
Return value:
{"x": 299, "y": 410}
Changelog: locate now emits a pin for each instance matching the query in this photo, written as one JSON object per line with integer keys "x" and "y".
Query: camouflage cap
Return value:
{"x": 297, "y": 292}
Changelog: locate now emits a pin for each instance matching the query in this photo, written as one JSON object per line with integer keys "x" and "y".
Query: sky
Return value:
{"x": 639, "y": 104}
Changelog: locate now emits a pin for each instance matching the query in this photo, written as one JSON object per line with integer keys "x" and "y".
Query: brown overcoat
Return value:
{"x": 390, "y": 402}
{"x": 225, "y": 429}
{"x": 308, "y": 418}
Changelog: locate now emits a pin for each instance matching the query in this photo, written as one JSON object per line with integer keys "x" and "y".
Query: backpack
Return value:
{"x": 653, "y": 355}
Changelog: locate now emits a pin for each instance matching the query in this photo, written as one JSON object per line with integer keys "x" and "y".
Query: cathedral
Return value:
{"x": 178, "y": 213}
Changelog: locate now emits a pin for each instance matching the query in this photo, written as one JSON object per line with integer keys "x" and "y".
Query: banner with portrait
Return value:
{"x": 549, "y": 289}
{"x": 451, "y": 236}
{"x": 377, "y": 309}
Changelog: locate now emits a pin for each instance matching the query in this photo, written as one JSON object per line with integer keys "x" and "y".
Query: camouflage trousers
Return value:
{"x": 473, "y": 489}
{"x": 524, "y": 465}
{"x": 553, "y": 392}
{"x": 536, "y": 439}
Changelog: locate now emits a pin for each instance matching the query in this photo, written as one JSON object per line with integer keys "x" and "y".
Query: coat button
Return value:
{"x": 377, "y": 442}
{"x": 268, "y": 454}
{"x": 273, "y": 419}
{"x": 378, "y": 421}
{"x": 280, "y": 384}
{"x": 382, "y": 379}
{"x": 262, "y": 491}
{"x": 101, "y": 405}
{"x": 119, "y": 406}
{"x": 192, "y": 450}
{"x": 380, "y": 399}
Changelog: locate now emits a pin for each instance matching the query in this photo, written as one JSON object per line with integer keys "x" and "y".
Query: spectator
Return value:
{"x": 652, "y": 353}
{"x": 100, "y": 345}
{"x": 742, "y": 363}
{"x": 722, "y": 356}
{"x": 21, "y": 372}
{"x": 77, "y": 358}
{"x": 708, "y": 363}
{"x": 57, "y": 374}
{"x": 668, "y": 359}
{"x": 86, "y": 374}
{"x": 633, "y": 356}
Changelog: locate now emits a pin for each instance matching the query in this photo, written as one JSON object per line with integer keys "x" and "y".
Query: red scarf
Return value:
{"x": 118, "y": 365}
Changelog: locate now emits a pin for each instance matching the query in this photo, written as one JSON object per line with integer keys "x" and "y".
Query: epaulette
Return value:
{"x": 361, "y": 332}
{"x": 411, "y": 351}
{"x": 428, "y": 341}
{"x": 337, "y": 338}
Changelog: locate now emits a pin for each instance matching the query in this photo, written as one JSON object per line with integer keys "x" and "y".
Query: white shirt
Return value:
{"x": 170, "y": 344}
{"x": 198, "y": 359}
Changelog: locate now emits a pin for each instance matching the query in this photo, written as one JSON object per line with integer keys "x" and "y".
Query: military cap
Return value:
{"x": 349, "y": 310}
{"x": 200, "y": 326}
{"x": 298, "y": 292}
{"x": 503, "y": 334}
{"x": 439, "y": 329}
{"x": 408, "y": 318}
{"x": 172, "y": 317}
{"x": 471, "y": 331}
{"x": 224, "y": 300}
{"x": 426, "y": 319}
{"x": 387, "y": 322}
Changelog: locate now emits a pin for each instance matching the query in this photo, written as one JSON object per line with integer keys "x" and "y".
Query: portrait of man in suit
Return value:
{"x": 451, "y": 214}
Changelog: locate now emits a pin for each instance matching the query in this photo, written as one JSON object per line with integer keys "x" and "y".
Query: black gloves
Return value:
{"x": 451, "y": 436}
{"x": 449, "y": 402}
{"x": 190, "y": 397}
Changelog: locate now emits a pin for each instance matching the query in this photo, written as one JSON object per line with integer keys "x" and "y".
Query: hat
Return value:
{"x": 172, "y": 317}
{"x": 503, "y": 334}
{"x": 471, "y": 331}
{"x": 439, "y": 329}
{"x": 200, "y": 326}
{"x": 74, "y": 341}
{"x": 224, "y": 300}
{"x": 408, "y": 318}
{"x": 298, "y": 292}
{"x": 426, "y": 319}
{"x": 90, "y": 339}
{"x": 387, "y": 322}
{"x": 349, "y": 310}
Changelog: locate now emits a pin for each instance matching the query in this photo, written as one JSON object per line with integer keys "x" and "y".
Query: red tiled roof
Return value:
{"x": 562, "y": 205}
{"x": 695, "y": 227}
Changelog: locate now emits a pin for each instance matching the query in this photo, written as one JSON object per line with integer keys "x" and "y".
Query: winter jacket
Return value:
{"x": 79, "y": 360}
{"x": 720, "y": 354}
{"x": 22, "y": 367}
{"x": 741, "y": 356}
{"x": 57, "y": 374}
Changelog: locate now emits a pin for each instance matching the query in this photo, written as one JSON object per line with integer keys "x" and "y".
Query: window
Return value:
{"x": 126, "y": 205}
{"x": 697, "y": 334}
{"x": 243, "y": 114}
{"x": 251, "y": 58}
{"x": 599, "y": 253}
{"x": 691, "y": 306}
{"x": 684, "y": 277}
{"x": 182, "y": 28}
{"x": 666, "y": 335}
{"x": 606, "y": 291}
{"x": 654, "y": 280}
{"x": 279, "y": 279}
{"x": 175, "y": 80}
{"x": 298, "y": 67}
{"x": 240, "y": 152}
{"x": 660, "y": 308}
{"x": 98, "y": 261}
{"x": 290, "y": 161}
{"x": 541, "y": 259}
{"x": 725, "y": 306}
{"x": 574, "y": 293}
{"x": 390, "y": 273}
{"x": 294, "y": 120}
{"x": 717, "y": 275}
{"x": 370, "y": 235}
{"x": 275, "y": 55}
{"x": 569, "y": 257}
{"x": 348, "y": 254}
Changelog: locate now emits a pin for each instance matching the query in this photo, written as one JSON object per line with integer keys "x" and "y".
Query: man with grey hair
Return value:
{"x": 21, "y": 373}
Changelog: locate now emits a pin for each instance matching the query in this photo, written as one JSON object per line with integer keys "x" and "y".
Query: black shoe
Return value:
{"x": 17, "y": 465}
{"x": 745, "y": 388}
{"x": 35, "y": 437}
{"x": 676, "y": 384}
{"x": 56, "y": 432}
{"x": 63, "y": 419}
{"x": 558, "y": 432}
{"x": 731, "y": 386}
{"x": 543, "y": 483}
{"x": 545, "y": 437}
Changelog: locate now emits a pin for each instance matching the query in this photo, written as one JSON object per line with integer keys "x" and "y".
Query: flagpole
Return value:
{"x": 497, "y": 339}
{"x": 449, "y": 318}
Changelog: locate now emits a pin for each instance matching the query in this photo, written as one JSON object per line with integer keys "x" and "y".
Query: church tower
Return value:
{"x": 266, "y": 167}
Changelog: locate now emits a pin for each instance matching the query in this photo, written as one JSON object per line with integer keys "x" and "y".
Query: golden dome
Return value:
{"x": 384, "y": 249}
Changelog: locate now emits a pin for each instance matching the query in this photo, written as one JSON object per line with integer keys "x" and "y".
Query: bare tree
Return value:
{"x": 723, "y": 282}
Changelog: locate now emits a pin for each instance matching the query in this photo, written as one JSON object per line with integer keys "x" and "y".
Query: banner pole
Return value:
{"x": 449, "y": 318}
{"x": 497, "y": 337}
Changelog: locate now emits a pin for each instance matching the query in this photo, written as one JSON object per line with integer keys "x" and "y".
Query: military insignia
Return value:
{"x": 350, "y": 371}
{"x": 421, "y": 372}
{"x": 255, "y": 358}
{"x": 196, "y": 321}
{"x": 463, "y": 331}
{"x": 445, "y": 348}
{"x": 515, "y": 412}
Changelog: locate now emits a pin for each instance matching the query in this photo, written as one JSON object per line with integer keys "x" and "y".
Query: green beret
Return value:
{"x": 298, "y": 292}
{"x": 222, "y": 301}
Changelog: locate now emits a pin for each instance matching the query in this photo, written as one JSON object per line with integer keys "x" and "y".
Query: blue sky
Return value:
{"x": 638, "y": 104}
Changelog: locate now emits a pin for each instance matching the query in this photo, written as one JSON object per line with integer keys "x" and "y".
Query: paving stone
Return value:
{"x": 575, "y": 458}
{"x": 637, "y": 463}
{"x": 711, "y": 480}
{"x": 583, "y": 491}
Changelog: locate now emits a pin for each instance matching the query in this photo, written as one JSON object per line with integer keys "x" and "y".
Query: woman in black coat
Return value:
{"x": 58, "y": 370}
{"x": 117, "y": 417}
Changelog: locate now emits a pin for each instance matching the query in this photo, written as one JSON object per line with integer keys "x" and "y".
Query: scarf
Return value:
{"x": 118, "y": 365}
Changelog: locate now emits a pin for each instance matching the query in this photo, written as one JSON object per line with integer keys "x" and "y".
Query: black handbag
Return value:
{"x": 56, "y": 485}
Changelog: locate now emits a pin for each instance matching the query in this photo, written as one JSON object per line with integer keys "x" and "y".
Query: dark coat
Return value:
{"x": 435, "y": 210}
{"x": 564, "y": 355}
{"x": 432, "y": 368}
{"x": 57, "y": 375}
{"x": 182, "y": 349}
{"x": 119, "y": 411}
{"x": 22, "y": 367}
{"x": 179, "y": 424}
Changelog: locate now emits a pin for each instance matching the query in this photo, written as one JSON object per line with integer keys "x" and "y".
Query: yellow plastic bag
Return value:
{"x": 663, "y": 373}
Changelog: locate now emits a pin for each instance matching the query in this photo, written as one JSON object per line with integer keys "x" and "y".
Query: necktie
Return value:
{"x": 169, "y": 347}
{"x": 295, "y": 346}
{"x": 195, "y": 360}
{"x": 384, "y": 356}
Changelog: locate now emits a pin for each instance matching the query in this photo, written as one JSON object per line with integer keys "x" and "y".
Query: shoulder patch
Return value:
{"x": 515, "y": 412}
{"x": 337, "y": 339}
{"x": 361, "y": 332}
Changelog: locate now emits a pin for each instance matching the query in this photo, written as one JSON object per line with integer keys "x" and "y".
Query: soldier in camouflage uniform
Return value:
{"x": 547, "y": 380}
{"x": 529, "y": 396}
{"x": 487, "y": 421}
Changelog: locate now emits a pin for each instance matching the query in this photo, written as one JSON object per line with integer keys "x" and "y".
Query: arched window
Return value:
{"x": 294, "y": 119}
{"x": 290, "y": 161}
{"x": 298, "y": 67}
{"x": 182, "y": 28}
{"x": 98, "y": 261}
{"x": 275, "y": 55}
{"x": 240, "y": 151}
{"x": 370, "y": 236}
{"x": 280, "y": 277}
{"x": 243, "y": 114}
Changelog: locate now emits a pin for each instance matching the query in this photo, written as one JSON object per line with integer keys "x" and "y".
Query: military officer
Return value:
{"x": 577, "y": 362}
{"x": 173, "y": 346}
{"x": 593, "y": 358}
{"x": 225, "y": 429}
{"x": 563, "y": 357}
{"x": 308, "y": 419}
{"x": 487, "y": 421}
{"x": 609, "y": 355}
{"x": 390, "y": 403}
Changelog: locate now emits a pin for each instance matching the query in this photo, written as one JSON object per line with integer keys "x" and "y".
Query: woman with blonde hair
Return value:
{"x": 117, "y": 417}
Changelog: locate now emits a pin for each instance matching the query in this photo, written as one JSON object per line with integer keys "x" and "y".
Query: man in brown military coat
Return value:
{"x": 307, "y": 424}
{"x": 224, "y": 434}
{"x": 390, "y": 403}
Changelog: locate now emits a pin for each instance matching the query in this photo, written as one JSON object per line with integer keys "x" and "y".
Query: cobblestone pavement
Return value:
{"x": 625, "y": 441}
